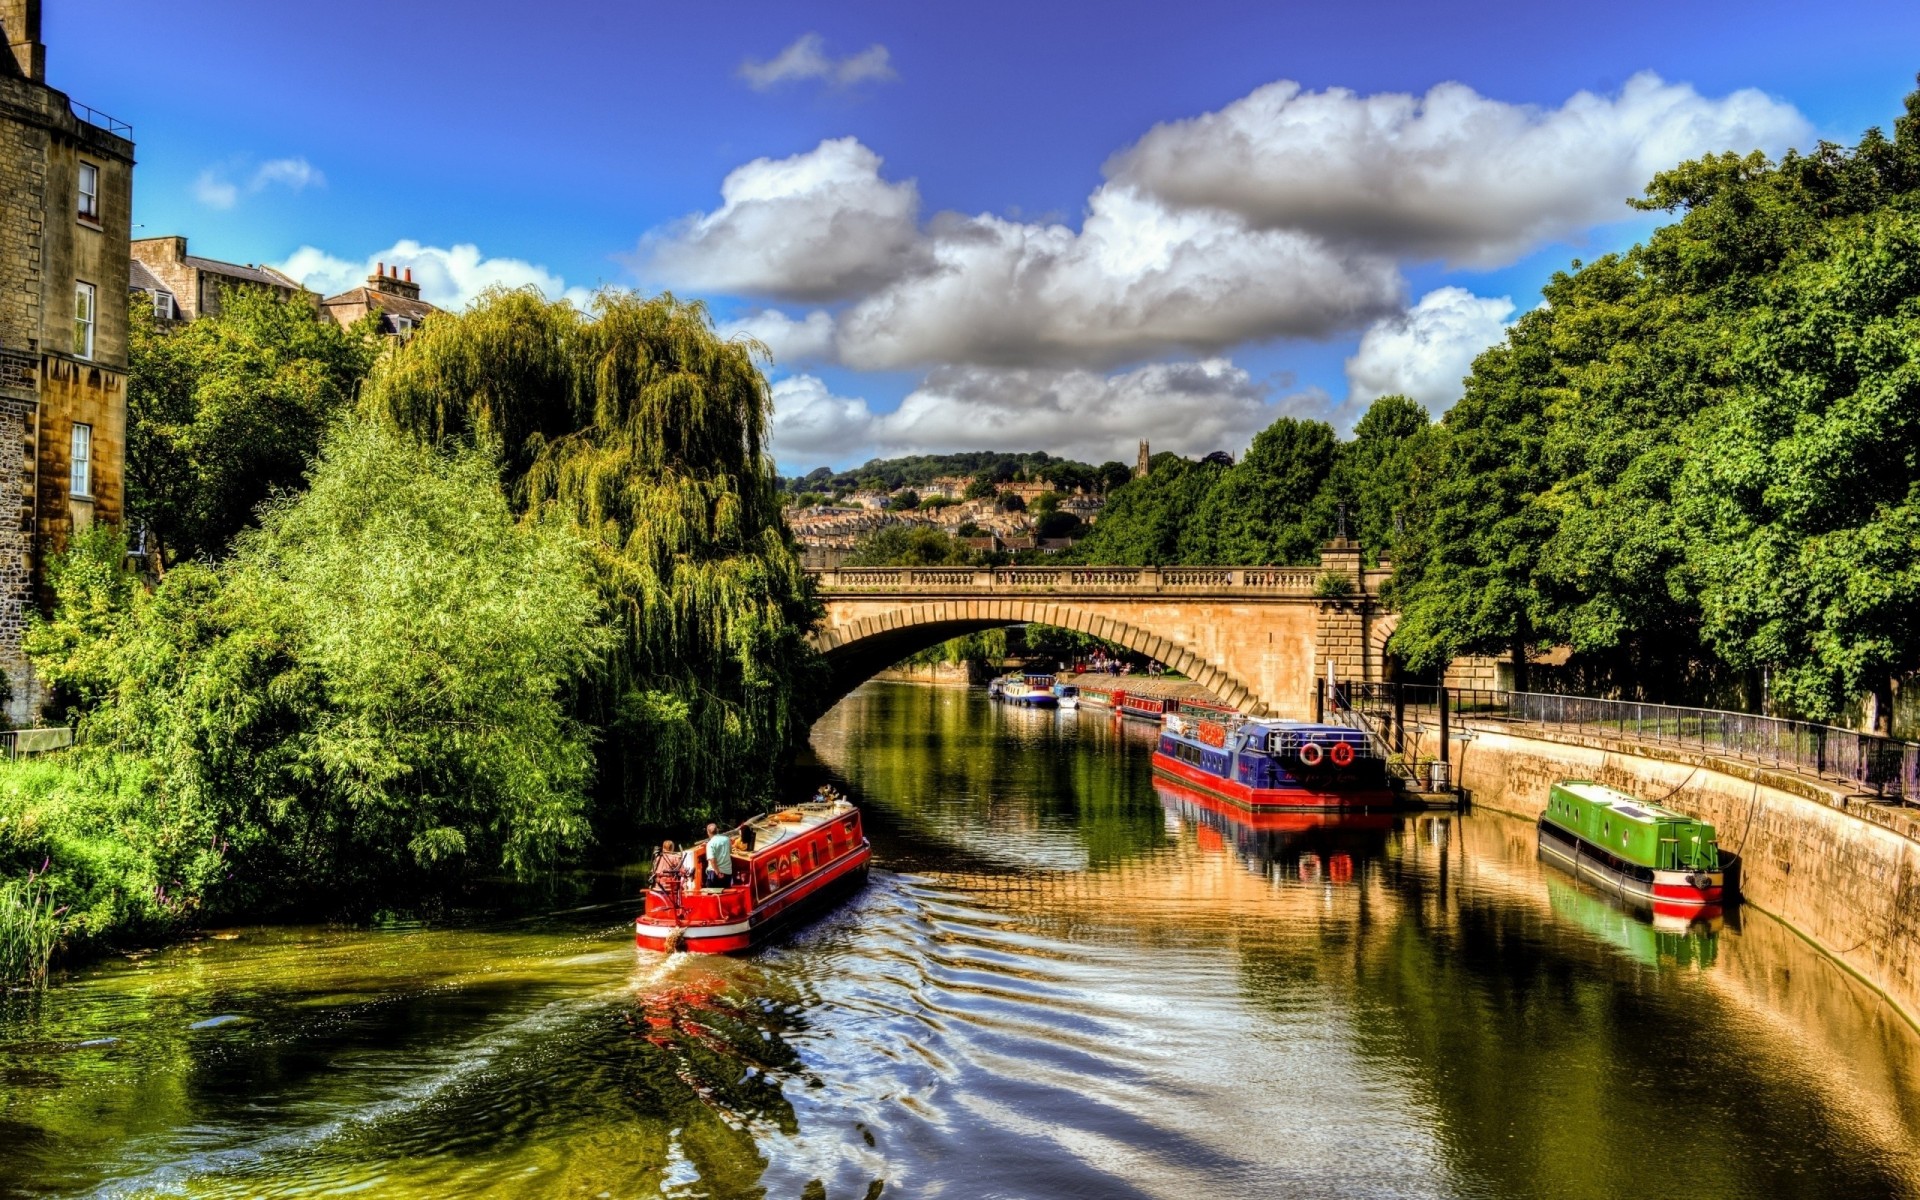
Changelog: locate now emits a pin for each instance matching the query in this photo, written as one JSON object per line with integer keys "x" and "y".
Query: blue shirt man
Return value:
{"x": 719, "y": 858}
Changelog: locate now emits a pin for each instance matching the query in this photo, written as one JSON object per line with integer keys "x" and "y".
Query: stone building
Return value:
{"x": 192, "y": 285}
{"x": 395, "y": 297}
{"x": 66, "y": 192}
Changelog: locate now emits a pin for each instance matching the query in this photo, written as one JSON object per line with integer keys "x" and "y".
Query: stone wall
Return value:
{"x": 47, "y": 246}
{"x": 1842, "y": 871}
{"x": 938, "y": 674}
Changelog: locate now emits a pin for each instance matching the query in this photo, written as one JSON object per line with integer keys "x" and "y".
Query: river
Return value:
{"x": 1058, "y": 982}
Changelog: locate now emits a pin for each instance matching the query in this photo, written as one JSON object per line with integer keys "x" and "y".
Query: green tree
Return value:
{"x": 228, "y": 410}
{"x": 363, "y": 698}
{"x": 907, "y": 546}
{"x": 1271, "y": 507}
{"x": 1145, "y": 520}
{"x": 1383, "y": 473}
{"x": 640, "y": 427}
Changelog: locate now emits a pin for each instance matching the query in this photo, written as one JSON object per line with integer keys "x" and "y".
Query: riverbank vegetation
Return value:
{"x": 528, "y": 589}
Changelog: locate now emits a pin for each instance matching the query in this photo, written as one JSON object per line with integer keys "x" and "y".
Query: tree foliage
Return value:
{"x": 364, "y": 699}
{"x": 637, "y": 425}
{"x": 228, "y": 410}
{"x": 1696, "y": 464}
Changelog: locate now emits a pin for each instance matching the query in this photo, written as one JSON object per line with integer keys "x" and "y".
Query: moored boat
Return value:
{"x": 1067, "y": 695}
{"x": 1151, "y": 708}
{"x": 1031, "y": 691}
{"x": 785, "y": 865}
{"x": 1261, "y": 764}
{"x": 1634, "y": 848}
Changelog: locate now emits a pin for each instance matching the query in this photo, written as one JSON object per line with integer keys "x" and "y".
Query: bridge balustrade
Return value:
{"x": 1264, "y": 581}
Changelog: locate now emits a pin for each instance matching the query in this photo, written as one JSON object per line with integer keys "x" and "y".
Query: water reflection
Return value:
{"x": 1060, "y": 982}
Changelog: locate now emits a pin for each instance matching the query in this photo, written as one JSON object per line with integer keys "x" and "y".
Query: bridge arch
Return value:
{"x": 865, "y": 646}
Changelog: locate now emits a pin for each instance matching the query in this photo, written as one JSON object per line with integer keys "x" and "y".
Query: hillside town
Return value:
{"x": 1018, "y": 516}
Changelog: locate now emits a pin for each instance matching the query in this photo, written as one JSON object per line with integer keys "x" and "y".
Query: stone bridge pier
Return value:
{"x": 1257, "y": 637}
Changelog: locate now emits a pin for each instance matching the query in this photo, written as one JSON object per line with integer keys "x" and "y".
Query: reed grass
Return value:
{"x": 29, "y": 929}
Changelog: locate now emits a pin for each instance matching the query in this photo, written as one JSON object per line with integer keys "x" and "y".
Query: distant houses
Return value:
{"x": 185, "y": 287}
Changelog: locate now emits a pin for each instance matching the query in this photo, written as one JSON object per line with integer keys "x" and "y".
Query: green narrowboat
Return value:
{"x": 1633, "y": 847}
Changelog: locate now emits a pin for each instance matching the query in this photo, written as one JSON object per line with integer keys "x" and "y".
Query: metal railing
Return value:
{"x": 1871, "y": 763}
{"x": 94, "y": 116}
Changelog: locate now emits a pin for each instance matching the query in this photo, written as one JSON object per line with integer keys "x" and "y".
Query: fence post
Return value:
{"x": 1443, "y": 724}
{"x": 1399, "y": 719}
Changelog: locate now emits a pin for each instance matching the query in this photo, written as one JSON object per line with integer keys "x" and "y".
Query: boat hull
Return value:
{"x": 1252, "y": 799}
{"x": 803, "y": 897}
{"x": 1668, "y": 890}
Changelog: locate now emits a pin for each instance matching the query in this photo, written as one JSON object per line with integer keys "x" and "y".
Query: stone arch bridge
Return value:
{"x": 1257, "y": 637}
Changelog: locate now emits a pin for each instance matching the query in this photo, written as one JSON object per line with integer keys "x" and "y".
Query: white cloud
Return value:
{"x": 811, "y": 424}
{"x": 788, "y": 340}
{"x": 450, "y": 277}
{"x": 817, "y": 226}
{"x": 1426, "y": 352}
{"x": 1451, "y": 174}
{"x": 214, "y": 189}
{"x": 1137, "y": 279}
{"x": 294, "y": 173}
{"x": 1189, "y": 407}
{"x": 807, "y": 58}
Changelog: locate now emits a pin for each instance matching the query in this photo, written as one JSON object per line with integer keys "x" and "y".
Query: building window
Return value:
{"x": 163, "y": 306}
{"x": 89, "y": 191}
{"x": 80, "y": 471}
{"x": 83, "y": 312}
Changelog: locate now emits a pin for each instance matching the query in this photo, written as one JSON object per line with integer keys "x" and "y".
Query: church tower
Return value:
{"x": 1140, "y": 467}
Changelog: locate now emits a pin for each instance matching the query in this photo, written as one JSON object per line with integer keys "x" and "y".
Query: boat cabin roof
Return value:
{"x": 784, "y": 824}
{"x": 1620, "y": 803}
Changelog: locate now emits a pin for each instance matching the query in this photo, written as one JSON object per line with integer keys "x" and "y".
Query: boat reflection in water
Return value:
{"x": 1333, "y": 846}
{"x": 1652, "y": 934}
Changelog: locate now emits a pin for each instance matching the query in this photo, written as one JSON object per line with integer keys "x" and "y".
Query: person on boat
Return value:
{"x": 719, "y": 858}
{"x": 669, "y": 867}
{"x": 696, "y": 857}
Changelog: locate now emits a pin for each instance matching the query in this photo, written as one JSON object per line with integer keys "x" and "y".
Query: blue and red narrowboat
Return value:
{"x": 786, "y": 865}
{"x": 1261, "y": 764}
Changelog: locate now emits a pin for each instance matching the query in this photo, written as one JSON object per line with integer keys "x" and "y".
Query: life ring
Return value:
{"x": 1311, "y": 754}
{"x": 1341, "y": 754}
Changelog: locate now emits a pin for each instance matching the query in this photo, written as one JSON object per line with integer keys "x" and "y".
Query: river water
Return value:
{"x": 1059, "y": 982}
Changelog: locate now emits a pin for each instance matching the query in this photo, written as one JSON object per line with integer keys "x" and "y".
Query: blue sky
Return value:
{"x": 1292, "y": 253}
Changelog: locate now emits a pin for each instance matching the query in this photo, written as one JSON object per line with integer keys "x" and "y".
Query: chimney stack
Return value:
{"x": 380, "y": 269}
{"x": 409, "y": 274}
{"x": 20, "y": 32}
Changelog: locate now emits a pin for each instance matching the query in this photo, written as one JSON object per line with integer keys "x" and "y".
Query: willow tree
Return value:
{"x": 636, "y": 423}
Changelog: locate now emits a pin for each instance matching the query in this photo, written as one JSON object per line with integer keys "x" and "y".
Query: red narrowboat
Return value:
{"x": 785, "y": 865}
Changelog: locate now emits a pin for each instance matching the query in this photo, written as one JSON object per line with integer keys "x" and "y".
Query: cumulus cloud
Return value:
{"x": 215, "y": 189}
{"x": 1137, "y": 279}
{"x": 448, "y": 276}
{"x": 807, "y": 58}
{"x": 1425, "y": 352}
{"x": 809, "y": 339}
{"x": 1451, "y": 174}
{"x": 817, "y": 226}
{"x": 811, "y": 424}
{"x": 1189, "y": 407}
